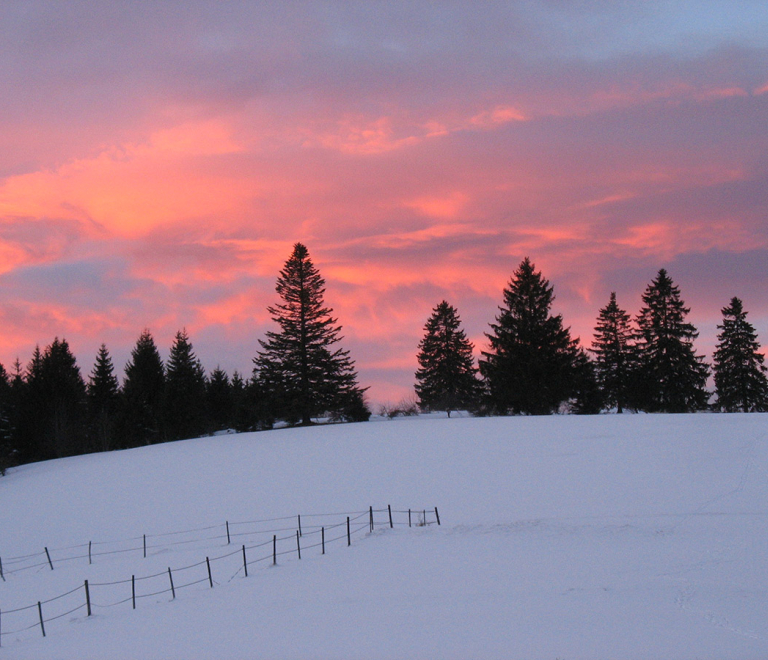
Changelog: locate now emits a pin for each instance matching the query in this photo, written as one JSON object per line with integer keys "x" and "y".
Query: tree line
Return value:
{"x": 48, "y": 410}
{"x": 533, "y": 365}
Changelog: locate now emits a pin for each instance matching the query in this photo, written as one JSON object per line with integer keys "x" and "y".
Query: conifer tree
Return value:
{"x": 185, "y": 396}
{"x": 7, "y": 450}
{"x": 30, "y": 423}
{"x": 243, "y": 415}
{"x": 299, "y": 366}
{"x": 671, "y": 376}
{"x": 103, "y": 393}
{"x": 219, "y": 400}
{"x": 587, "y": 398}
{"x": 64, "y": 401}
{"x": 532, "y": 364}
{"x": 740, "y": 374}
{"x": 615, "y": 355}
{"x": 447, "y": 376}
{"x": 143, "y": 394}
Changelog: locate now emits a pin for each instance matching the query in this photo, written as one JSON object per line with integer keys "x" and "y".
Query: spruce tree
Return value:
{"x": 219, "y": 400}
{"x": 143, "y": 394}
{"x": 615, "y": 355}
{"x": 447, "y": 376}
{"x": 7, "y": 450}
{"x": 185, "y": 396}
{"x": 671, "y": 376}
{"x": 243, "y": 415}
{"x": 63, "y": 396}
{"x": 587, "y": 398}
{"x": 740, "y": 381}
{"x": 299, "y": 366}
{"x": 103, "y": 393}
{"x": 532, "y": 365}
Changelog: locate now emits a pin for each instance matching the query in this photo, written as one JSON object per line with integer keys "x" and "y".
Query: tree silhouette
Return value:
{"x": 447, "y": 376}
{"x": 532, "y": 365}
{"x": 298, "y": 366}
{"x": 740, "y": 381}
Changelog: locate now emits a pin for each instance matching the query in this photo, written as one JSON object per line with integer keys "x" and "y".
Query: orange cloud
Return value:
{"x": 501, "y": 114}
{"x": 440, "y": 207}
{"x": 359, "y": 136}
{"x": 133, "y": 189}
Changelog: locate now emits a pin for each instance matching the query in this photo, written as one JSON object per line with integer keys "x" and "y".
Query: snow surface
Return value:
{"x": 616, "y": 537}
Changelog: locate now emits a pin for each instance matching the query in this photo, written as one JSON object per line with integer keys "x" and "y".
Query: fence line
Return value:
{"x": 8, "y": 563}
{"x": 294, "y": 548}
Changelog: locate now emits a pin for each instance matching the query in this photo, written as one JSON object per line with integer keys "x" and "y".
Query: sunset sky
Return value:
{"x": 159, "y": 159}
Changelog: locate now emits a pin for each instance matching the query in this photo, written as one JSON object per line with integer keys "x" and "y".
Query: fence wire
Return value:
{"x": 295, "y": 537}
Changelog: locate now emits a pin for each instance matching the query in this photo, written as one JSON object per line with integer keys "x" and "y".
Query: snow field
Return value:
{"x": 562, "y": 537}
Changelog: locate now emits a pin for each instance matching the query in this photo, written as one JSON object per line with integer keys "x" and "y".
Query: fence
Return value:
{"x": 90, "y": 596}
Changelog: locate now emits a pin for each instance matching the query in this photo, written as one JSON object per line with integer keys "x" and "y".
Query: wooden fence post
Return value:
{"x": 210, "y": 577}
{"x": 409, "y": 517}
{"x": 274, "y": 549}
{"x": 349, "y": 537}
{"x": 322, "y": 537}
{"x": 89, "y": 553}
{"x": 47, "y": 554}
{"x": 298, "y": 543}
{"x": 370, "y": 515}
{"x": 133, "y": 590}
{"x": 170, "y": 577}
{"x": 389, "y": 508}
{"x": 228, "y": 539}
{"x": 437, "y": 515}
{"x": 40, "y": 612}
{"x": 245, "y": 563}
{"x": 145, "y": 546}
{"x": 87, "y": 598}
{"x": 300, "y": 534}
{"x": 1, "y": 569}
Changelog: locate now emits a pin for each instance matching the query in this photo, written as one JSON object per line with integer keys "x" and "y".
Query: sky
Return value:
{"x": 158, "y": 160}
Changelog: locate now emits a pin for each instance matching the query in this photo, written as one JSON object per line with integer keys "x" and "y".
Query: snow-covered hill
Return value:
{"x": 567, "y": 537}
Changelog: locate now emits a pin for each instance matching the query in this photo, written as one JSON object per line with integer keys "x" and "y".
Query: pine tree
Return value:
{"x": 298, "y": 366}
{"x": 64, "y": 401}
{"x": 103, "y": 394}
{"x": 243, "y": 415}
{"x": 587, "y": 398}
{"x": 447, "y": 376}
{"x": 143, "y": 393}
{"x": 219, "y": 400}
{"x": 185, "y": 397}
{"x": 7, "y": 449}
{"x": 615, "y": 355}
{"x": 671, "y": 376}
{"x": 531, "y": 367}
{"x": 740, "y": 374}
{"x": 31, "y": 404}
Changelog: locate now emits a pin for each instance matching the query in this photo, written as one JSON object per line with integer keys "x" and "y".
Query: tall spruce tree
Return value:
{"x": 299, "y": 367}
{"x": 532, "y": 366}
{"x": 447, "y": 376}
{"x": 740, "y": 374}
{"x": 615, "y": 355}
{"x": 103, "y": 394}
{"x": 143, "y": 394}
{"x": 185, "y": 396}
{"x": 671, "y": 376}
